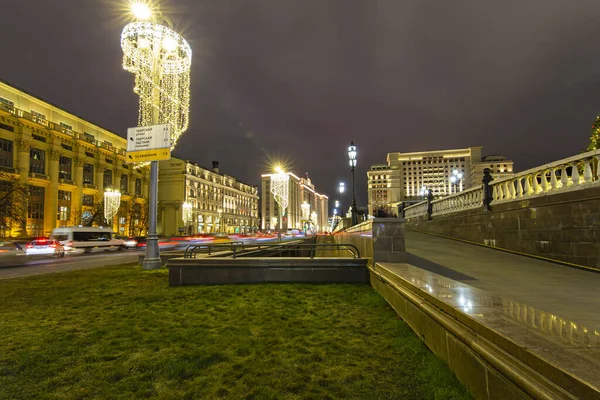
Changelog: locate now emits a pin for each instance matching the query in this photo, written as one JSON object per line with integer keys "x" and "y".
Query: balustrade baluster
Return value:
{"x": 587, "y": 171}
{"x": 553, "y": 180}
{"x": 536, "y": 185}
{"x": 507, "y": 190}
{"x": 495, "y": 192}
{"x": 519, "y": 187}
{"x": 575, "y": 179}
{"x": 564, "y": 178}
{"x": 528, "y": 188}
{"x": 545, "y": 183}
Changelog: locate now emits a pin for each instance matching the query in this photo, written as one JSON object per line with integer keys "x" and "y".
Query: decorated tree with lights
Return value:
{"x": 595, "y": 137}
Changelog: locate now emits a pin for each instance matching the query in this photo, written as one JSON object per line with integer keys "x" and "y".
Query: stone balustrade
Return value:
{"x": 574, "y": 173}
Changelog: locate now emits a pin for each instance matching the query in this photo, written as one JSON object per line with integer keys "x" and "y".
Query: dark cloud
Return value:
{"x": 302, "y": 78}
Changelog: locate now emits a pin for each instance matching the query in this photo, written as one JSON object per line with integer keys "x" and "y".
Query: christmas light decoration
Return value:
{"x": 595, "y": 137}
{"x": 112, "y": 202}
{"x": 186, "y": 212}
{"x": 305, "y": 207}
{"x": 280, "y": 188}
{"x": 160, "y": 59}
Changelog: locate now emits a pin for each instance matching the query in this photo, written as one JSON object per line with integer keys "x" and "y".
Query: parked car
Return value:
{"x": 11, "y": 254}
{"x": 45, "y": 247}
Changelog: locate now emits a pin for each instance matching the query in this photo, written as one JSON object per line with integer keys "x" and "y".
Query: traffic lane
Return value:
{"x": 72, "y": 263}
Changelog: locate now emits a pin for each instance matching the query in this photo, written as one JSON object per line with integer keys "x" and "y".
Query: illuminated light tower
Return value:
{"x": 456, "y": 178}
{"x": 280, "y": 188}
{"x": 313, "y": 218}
{"x": 305, "y": 208}
{"x": 352, "y": 159}
{"x": 112, "y": 202}
{"x": 160, "y": 59}
{"x": 186, "y": 214}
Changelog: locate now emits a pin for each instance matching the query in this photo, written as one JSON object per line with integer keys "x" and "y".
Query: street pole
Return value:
{"x": 354, "y": 210}
{"x": 152, "y": 256}
{"x": 280, "y": 224}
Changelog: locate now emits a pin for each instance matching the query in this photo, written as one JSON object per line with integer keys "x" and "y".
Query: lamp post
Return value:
{"x": 456, "y": 178}
{"x": 342, "y": 189}
{"x": 160, "y": 59}
{"x": 352, "y": 158}
{"x": 280, "y": 188}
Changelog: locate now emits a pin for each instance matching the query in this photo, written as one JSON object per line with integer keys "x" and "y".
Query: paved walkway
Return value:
{"x": 551, "y": 309}
{"x": 556, "y": 288}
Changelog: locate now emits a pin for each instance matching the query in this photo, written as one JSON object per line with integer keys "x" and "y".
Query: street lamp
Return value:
{"x": 456, "y": 178}
{"x": 342, "y": 189}
{"x": 352, "y": 158}
{"x": 160, "y": 59}
{"x": 424, "y": 191}
{"x": 280, "y": 188}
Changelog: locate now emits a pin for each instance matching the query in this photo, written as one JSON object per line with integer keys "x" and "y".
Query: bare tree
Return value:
{"x": 93, "y": 215}
{"x": 13, "y": 203}
{"x": 137, "y": 217}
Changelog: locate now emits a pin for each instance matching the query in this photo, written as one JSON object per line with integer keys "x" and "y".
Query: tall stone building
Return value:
{"x": 67, "y": 164}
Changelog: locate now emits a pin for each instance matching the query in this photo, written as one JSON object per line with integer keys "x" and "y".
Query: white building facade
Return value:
{"x": 409, "y": 176}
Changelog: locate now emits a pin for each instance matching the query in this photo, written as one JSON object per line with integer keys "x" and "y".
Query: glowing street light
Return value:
{"x": 160, "y": 59}
{"x": 280, "y": 188}
{"x": 424, "y": 191}
{"x": 352, "y": 159}
{"x": 186, "y": 214}
{"x": 456, "y": 178}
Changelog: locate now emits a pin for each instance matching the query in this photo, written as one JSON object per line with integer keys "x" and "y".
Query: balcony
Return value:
{"x": 9, "y": 170}
{"x": 35, "y": 175}
{"x": 66, "y": 181}
{"x": 89, "y": 186}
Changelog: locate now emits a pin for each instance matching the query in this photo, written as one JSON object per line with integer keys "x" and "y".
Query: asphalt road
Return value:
{"x": 70, "y": 263}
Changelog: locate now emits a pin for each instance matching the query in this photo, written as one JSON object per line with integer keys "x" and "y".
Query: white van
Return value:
{"x": 87, "y": 238}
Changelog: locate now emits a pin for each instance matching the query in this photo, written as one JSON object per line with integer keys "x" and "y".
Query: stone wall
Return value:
{"x": 563, "y": 226}
{"x": 378, "y": 239}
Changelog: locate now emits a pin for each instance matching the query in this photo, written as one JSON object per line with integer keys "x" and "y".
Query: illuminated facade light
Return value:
{"x": 112, "y": 202}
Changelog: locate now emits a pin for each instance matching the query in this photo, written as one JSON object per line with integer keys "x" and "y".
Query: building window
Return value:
{"x": 38, "y": 114}
{"x": 124, "y": 183}
{"x": 6, "y": 153}
{"x": 108, "y": 178}
{"x": 7, "y": 102}
{"x": 39, "y": 138}
{"x": 66, "y": 147}
{"x": 138, "y": 187}
{"x": 66, "y": 126}
{"x": 64, "y": 195}
{"x": 63, "y": 213}
{"x": 89, "y": 137}
{"x": 65, "y": 164}
{"x": 88, "y": 200}
{"x": 88, "y": 154}
{"x": 88, "y": 174}
{"x": 37, "y": 161}
{"x": 7, "y": 127}
{"x": 35, "y": 208}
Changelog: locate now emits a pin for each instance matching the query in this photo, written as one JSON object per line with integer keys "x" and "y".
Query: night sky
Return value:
{"x": 298, "y": 80}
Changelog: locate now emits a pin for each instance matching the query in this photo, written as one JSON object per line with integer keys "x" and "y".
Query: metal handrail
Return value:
{"x": 190, "y": 250}
{"x": 234, "y": 246}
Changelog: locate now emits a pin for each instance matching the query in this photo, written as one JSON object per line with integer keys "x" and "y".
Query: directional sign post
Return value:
{"x": 148, "y": 143}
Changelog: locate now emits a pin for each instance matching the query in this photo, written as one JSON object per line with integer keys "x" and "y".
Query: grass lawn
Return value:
{"x": 123, "y": 333}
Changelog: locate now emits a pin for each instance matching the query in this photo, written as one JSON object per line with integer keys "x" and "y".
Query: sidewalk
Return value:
{"x": 548, "y": 309}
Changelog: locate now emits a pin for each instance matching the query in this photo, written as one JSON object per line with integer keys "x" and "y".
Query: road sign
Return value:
{"x": 150, "y": 137}
{"x": 148, "y": 155}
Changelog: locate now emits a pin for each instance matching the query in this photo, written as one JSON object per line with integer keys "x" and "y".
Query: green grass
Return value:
{"x": 123, "y": 333}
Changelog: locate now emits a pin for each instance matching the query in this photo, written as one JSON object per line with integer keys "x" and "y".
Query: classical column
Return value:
{"x": 23, "y": 147}
{"x": 77, "y": 195}
{"x": 99, "y": 176}
{"x": 51, "y": 195}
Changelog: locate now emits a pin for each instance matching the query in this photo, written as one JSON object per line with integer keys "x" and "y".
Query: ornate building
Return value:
{"x": 301, "y": 191}
{"x": 215, "y": 202}
{"x": 67, "y": 164}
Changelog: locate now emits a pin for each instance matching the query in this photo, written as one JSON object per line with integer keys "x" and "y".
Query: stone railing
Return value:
{"x": 573, "y": 173}
{"x": 416, "y": 210}
{"x": 465, "y": 200}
